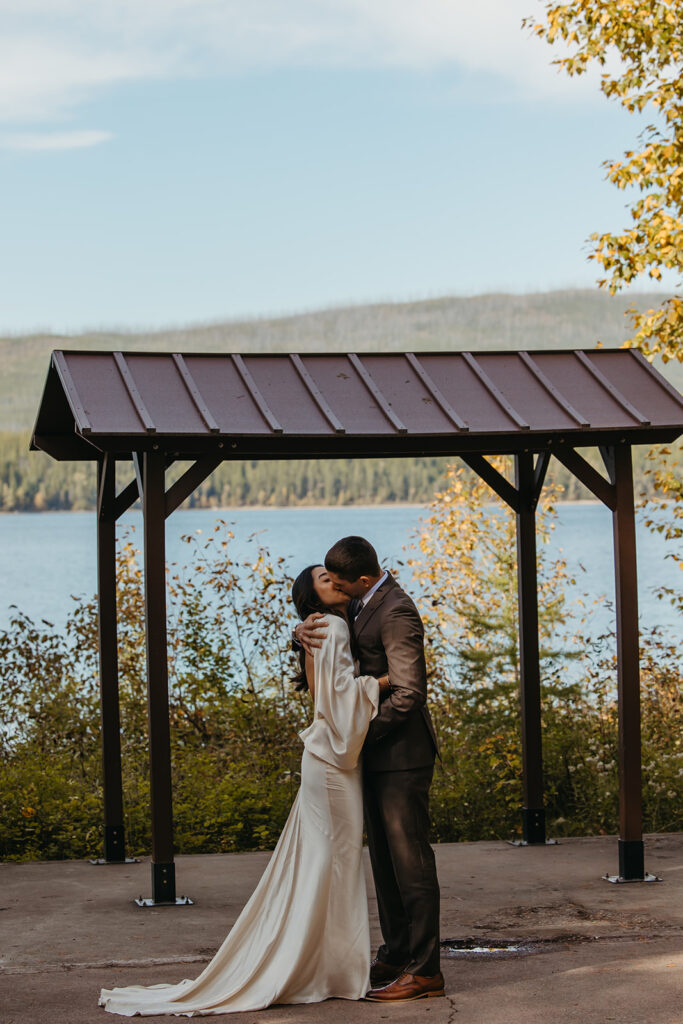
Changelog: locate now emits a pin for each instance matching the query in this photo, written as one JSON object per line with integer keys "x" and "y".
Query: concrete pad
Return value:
{"x": 596, "y": 952}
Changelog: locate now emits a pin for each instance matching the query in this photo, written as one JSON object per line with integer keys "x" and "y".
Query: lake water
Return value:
{"x": 45, "y": 558}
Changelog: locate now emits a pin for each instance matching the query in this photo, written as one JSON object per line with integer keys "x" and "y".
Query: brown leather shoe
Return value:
{"x": 382, "y": 973}
{"x": 408, "y": 987}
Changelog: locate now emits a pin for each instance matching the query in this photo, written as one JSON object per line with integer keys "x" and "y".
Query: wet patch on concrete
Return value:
{"x": 501, "y": 949}
{"x": 488, "y": 948}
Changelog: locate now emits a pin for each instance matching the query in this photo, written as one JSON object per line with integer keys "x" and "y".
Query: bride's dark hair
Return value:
{"x": 307, "y": 602}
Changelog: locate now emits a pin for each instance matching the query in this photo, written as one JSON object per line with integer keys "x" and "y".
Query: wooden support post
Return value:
{"x": 533, "y": 812}
{"x": 114, "y": 837}
{"x": 631, "y": 854}
{"x": 154, "y": 513}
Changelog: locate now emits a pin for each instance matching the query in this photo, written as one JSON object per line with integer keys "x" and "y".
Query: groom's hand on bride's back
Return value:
{"x": 311, "y": 632}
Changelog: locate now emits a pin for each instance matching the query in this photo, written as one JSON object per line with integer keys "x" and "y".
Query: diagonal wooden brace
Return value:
{"x": 483, "y": 468}
{"x": 583, "y": 471}
{"x": 190, "y": 480}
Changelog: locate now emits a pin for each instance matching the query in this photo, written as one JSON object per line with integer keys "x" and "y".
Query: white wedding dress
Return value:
{"x": 304, "y": 934}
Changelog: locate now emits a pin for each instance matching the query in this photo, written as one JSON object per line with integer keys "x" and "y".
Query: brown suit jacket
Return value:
{"x": 390, "y": 637}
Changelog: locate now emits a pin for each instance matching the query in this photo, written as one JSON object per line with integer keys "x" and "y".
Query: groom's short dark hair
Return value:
{"x": 352, "y": 557}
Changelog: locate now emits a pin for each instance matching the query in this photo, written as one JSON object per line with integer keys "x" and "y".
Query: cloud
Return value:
{"x": 45, "y": 77}
{"x": 55, "y": 54}
{"x": 54, "y": 140}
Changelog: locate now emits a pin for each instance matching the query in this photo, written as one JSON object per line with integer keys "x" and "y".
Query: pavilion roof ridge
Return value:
{"x": 361, "y": 351}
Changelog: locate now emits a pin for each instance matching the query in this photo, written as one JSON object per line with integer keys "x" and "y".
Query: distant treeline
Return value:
{"x": 33, "y": 482}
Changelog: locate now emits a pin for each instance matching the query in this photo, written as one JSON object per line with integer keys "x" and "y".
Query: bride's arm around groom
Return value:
{"x": 344, "y": 703}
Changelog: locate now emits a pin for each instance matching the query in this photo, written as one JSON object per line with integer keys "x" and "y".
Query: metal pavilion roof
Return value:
{"x": 285, "y": 405}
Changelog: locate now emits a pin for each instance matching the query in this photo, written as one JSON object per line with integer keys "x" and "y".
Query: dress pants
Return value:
{"x": 396, "y": 807}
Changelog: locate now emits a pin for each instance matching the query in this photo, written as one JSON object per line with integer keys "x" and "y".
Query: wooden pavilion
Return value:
{"x": 154, "y": 409}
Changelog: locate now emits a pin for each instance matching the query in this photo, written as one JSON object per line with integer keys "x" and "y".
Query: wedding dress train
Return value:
{"x": 304, "y": 934}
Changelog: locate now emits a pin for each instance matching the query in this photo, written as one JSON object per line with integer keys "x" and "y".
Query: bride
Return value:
{"x": 304, "y": 934}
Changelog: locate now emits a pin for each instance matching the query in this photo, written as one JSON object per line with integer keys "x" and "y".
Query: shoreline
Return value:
{"x": 266, "y": 508}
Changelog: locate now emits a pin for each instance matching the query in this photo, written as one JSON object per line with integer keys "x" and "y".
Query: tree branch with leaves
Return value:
{"x": 639, "y": 48}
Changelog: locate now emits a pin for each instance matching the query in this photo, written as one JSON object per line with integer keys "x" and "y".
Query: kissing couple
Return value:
{"x": 304, "y": 934}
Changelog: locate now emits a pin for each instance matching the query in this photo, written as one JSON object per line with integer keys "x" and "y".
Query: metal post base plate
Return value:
{"x": 126, "y": 860}
{"x": 533, "y": 826}
{"x": 523, "y": 842}
{"x": 163, "y": 882}
{"x": 618, "y": 880}
{"x": 114, "y": 843}
{"x": 179, "y": 901}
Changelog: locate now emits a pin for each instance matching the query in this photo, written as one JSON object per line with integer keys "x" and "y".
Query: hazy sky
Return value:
{"x": 175, "y": 161}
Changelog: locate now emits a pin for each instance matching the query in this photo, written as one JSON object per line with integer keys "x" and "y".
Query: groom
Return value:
{"x": 398, "y": 764}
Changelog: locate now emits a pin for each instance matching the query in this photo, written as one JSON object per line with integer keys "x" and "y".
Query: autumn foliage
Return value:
{"x": 638, "y": 48}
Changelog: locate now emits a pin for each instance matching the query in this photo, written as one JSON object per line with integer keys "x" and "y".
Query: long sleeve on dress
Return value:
{"x": 344, "y": 703}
